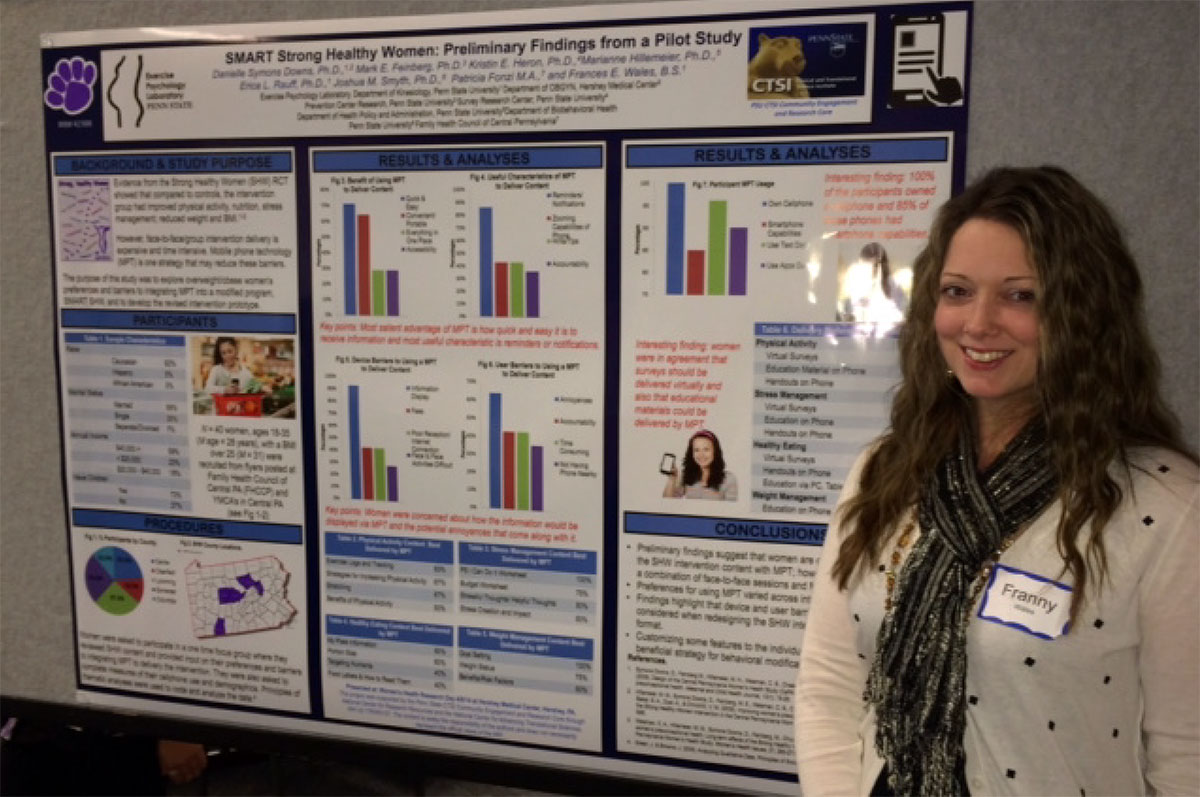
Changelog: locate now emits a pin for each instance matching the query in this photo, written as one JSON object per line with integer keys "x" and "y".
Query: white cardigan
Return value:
{"x": 1112, "y": 707}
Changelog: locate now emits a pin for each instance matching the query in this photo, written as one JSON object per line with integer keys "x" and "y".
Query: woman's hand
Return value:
{"x": 673, "y": 489}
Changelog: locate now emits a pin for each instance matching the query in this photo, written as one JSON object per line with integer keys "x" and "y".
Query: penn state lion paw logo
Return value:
{"x": 775, "y": 71}
{"x": 69, "y": 86}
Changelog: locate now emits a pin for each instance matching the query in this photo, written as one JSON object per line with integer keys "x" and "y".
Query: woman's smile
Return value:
{"x": 985, "y": 357}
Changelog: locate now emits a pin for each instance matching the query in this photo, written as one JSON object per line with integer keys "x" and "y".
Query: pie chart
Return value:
{"x": 114, "y": 580}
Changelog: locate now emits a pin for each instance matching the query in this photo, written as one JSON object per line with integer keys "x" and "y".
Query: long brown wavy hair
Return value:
{"x": 1097, "y": 378}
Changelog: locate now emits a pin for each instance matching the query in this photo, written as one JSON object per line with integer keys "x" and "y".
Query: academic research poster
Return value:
{"x": 484, "y": 383}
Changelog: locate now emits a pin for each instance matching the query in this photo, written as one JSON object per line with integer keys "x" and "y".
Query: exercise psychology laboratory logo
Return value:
{"x": 69, "y": 86}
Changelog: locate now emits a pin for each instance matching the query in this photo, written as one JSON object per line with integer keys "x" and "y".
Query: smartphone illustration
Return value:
{"x": 667, "y": 464}
{"x": 916, "y": 57}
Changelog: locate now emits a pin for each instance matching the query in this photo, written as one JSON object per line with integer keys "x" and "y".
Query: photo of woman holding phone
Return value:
{"x": 704, "y": 474}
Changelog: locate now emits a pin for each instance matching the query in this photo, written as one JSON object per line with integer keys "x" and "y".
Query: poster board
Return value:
{"x": 383, "y": 343}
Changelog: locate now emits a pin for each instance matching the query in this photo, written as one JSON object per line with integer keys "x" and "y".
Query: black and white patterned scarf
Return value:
{"x": 917, "y": 682}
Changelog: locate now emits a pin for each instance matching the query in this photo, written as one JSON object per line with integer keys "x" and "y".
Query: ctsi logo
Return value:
{"x": 782, "y": 85}
{"x": 69, "y": 86}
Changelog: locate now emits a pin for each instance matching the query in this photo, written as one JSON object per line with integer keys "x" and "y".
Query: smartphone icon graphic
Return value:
{"x": 916, "y": 58}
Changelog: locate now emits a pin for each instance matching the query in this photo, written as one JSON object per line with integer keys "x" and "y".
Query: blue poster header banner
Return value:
{"x": 563, "y": 647}
{"x": 189, "y": 526}
{"x": 389, "y": 630}
{"x": 173, "y": 163}
{"x": 406, "y": 549}
{"x": 732, "y": 529}
{"x": 106, "y": 339}
{"x": 548, "y": 559}
{"x": 764, "y": 329}
{"x": 888, "y": 150}
{"x": 473, "y": 159}
{"x": 262, "y": 323}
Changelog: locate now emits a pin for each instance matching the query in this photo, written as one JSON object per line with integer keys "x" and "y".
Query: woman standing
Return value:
{"x": 1007, "y": 603}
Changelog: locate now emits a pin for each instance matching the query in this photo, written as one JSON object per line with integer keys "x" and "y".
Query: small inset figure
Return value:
{"x": 869, "y": 293}
{"x": 228, "y": 374}
{"x": 704, "y": 474}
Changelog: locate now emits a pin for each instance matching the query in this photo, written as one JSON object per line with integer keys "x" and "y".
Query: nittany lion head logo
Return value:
{"x": 775, "y": 70}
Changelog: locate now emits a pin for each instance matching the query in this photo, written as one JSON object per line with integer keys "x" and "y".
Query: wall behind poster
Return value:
{"x": 1150, "y": 177}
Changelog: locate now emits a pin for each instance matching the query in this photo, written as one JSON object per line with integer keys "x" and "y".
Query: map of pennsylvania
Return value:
{"x": 238, "y": 597}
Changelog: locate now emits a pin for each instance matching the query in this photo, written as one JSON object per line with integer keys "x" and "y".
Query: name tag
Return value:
{"x": 1027, "y": 602}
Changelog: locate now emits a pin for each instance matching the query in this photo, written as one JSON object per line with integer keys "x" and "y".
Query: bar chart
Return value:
{"x": 459, "y": 234}
{"x": 372, "y": 478}
{"x": 716, "y": 269}
{"x": 513, "y": 436}
{"x": 700, "y": 230}
{"x": 516, "y": 466}
{"x": 506, "y": 288}
{"x": 366, "y": 291}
